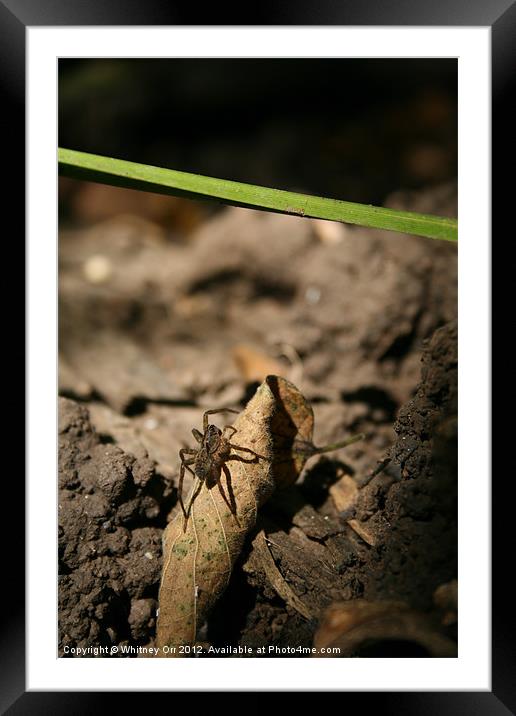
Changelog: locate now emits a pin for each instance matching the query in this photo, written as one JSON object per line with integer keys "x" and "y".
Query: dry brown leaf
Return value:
{"x": 254, "y": 365}
{"x": 303, "y": 573}
{"x": 277, "y": 424}
{"x": 276, "y": 579}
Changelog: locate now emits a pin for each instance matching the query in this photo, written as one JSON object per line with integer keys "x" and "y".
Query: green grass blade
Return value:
{"x": 118, "y": 172}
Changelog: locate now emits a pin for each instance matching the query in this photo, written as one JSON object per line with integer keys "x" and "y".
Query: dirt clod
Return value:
{"x": 109, "y": 544}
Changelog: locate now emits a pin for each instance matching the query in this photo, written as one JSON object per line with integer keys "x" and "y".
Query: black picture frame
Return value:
{"x": 500, "y": 15}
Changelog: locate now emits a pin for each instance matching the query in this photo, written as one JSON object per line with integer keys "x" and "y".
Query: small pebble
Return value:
{"x": 97, "y": 269}
{"x": 329, "y": 232}
{"x": 312, "y": 295}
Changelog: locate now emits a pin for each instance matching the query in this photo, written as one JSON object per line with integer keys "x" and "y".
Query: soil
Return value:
{"x": 110, "y": 505}
{"x": 158, "y": 325}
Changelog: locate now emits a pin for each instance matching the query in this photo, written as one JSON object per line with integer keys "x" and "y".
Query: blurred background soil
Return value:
{"x": 169, "y": 307}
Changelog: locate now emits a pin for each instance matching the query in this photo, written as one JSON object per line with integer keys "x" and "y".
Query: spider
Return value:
{"x": 210, "y": 460}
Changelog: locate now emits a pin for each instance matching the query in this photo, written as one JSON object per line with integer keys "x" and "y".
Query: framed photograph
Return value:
{"x": 249, "y": 429}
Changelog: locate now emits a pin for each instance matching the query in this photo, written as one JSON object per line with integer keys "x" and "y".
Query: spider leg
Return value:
{"x": 185, "y": 464}
{"x": 195, "y": 491}
{"x": 186, "y": 451}
{"x": 243, "y": 449}
{"x": 221, "y": 490}
{"x": 197, "y": 435}
{"x": 214, "y": 412}
{"x": 231, "y": 504}
{"x": 239, "y": 447}
{"x": 229, "y": 427}
{"x": 238, "y": 458}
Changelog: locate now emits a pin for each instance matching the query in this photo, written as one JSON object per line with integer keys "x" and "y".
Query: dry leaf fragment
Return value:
{"x": 276, "y": 425}
{"x": 254, "y": 365}
{"x": 344, "y": 493}
{"x": 363, "y": 531}
{"x": 350, "y": 626}
{"x": 303, "y": 573}
{"x": 276, "y": 579}
{"x": 445, "y": 598}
